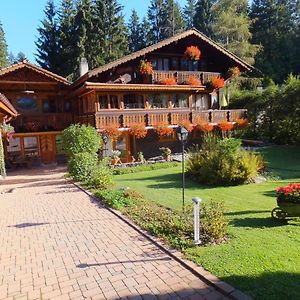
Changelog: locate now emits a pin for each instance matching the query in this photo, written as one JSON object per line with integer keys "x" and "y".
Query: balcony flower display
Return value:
{"x": 187, "y": 125}
{"x": 192, "y": 53}
{"x": 216, "y": 83}
{"x": 139, "y": 131}
{"x": 193, "y": 80}
{"x": 242, "y": 122}
{"x": 234, "y": 72}
{"x": 169, "y": 81}
{"x": 205, "y": 127}
{"x": 289, "y": 194}
{"x": 145, "y": 67}
{"x": 225, "y": 126}
{"x": 163, "y": 130}
{"x": 112, "y": 132}
{"x": 7, "y": 131}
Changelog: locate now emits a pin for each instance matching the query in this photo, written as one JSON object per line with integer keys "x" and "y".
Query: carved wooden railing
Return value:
{"x": 123, "y": 118}
{"x": 183, "y": 76}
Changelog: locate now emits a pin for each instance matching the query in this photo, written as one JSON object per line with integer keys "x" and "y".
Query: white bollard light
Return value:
{"x": 197, "y": 202}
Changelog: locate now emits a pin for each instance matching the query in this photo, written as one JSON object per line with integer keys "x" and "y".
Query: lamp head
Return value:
{"x": 182, "y": 134}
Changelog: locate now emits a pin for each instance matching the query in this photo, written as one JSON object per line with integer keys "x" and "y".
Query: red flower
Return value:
{"x": 193, "y": 80}
{"x": 192, "y": 53}
{"x": 163, "y": 130}
{"x": 205, "y": 127}
{"x": 187, "y": 125}
{"x": 242, "y": 123}
{"x": 138, "y": 130}
{"x": 169, "y": 81}
{"x": 234, "y": 72}
{"x": 112, "y": 132}
{"x": 217, "y": 82}
{"x": 145, "y": 67}
{"x": 225, "y": 126}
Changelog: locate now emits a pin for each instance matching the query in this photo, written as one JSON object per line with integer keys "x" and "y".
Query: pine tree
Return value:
{"x": 110, "y": 31}
{"x": 147, "y": 35}
{"x": 204, "y": 17}
{"x": 156, "y": 17}
{"x": 48, "y": 41}
{"x": 20, "y": 57}
{"x": 173, "y": 22}
{"x": 232, "y": 28}
{"x": 67, "y": 40}
{"x": 189, "y": 13}
{"x": 3, "y": 49}
{"x": 274, "y": 28}
{"x": 135, "y": 38}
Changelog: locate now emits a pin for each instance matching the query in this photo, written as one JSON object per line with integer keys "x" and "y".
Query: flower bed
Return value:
{"x": 289, "y": 194}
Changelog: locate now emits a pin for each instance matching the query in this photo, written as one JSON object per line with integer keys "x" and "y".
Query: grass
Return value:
{"x": 262, "y": 257}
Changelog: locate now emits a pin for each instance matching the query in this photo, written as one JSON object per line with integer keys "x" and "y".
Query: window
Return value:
{"x": 133, "y": 101}
{"x": 67, "y": 106}
{"x": 200, "y": 102}
{"x": 31, "y": 146}
{"x": 49, "y": 106}
{"x": 158, "y": 100}
{"x": 180, "y": 100}
{"x": 121, "y": 146}
{"x": 162, "y": 64}
{"x": 174, "y": 64}
{"x": 103, "y": 100}
{"x": 113, "y": 101}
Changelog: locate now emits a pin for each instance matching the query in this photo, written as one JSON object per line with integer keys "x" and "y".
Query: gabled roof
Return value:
{"x": 161, "y": 44}
{"x": 26, "y": 64}
{"x": 7, "y": 104}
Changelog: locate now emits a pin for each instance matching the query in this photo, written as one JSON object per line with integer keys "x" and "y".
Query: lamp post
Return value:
{"x": 182, "y": 135}
{"x": 105, "y": 141}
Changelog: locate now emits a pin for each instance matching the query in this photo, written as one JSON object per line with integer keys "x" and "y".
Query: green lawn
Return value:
{"x": 262, "y": 257}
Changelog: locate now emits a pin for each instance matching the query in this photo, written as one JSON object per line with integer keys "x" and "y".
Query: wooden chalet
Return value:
{"x": 118, "y": 95}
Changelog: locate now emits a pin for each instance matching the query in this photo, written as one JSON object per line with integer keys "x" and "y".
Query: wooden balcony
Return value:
{"x": 123, "y": 118}
{"x": 183, "y": 76}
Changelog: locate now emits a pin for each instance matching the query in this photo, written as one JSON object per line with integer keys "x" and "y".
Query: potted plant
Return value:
{"x": 288, "y": 200}
{"x": 192, "y": 53}
{"x": 168, "y": 81}
{"x": 225, "y": 127}
{"x": 163, "y": 130}
{"x": 205, "y": 127}
{"x": 216, "y": 82}
{"x": 187, "y": 125}
{"x": 234, "y": 72}
{"x": 166, "y": 153}
{"x": 145, "y": 67}
{"x": 138, "y": 130}
{"x": 115, "y": 156}
{"x": 112, "y": 132}
{"x": 193, "y": 80}
{"x": 7, "y": 131}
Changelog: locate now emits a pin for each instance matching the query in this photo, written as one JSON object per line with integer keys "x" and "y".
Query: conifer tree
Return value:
{"x": 135, "y": 37}
{"x": 204, "y": 17}
{"x": 189, "y": 13}
{"x": 147, "y": 35}
{"x": 3, "y": 49}
{"x": 232, "y": 28}
{"x": 156, "y": 17}
{"x": 20, "y": 57}
{"x": 47, "y": 44}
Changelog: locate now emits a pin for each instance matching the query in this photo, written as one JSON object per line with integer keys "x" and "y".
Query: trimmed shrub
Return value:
{"x": 79, "y": 138}
{"x": 81, "y": 165}
{"x": 223, "y": 162}
{"x": 115, "y": 198}
{"x": 100, "y": 177}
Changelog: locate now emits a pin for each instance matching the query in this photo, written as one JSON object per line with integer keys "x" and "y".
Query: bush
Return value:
{"x": 80, "y": 138}
{"x": 81, "y": 165}
{"x": 145, "y": 167}
{"x": 115, "y": 198}
{"x": 223, "y": 162}
{"x": 100, "y": 177}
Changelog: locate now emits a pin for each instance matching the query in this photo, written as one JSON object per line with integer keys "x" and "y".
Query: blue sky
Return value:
{"x": 20, "y": 18}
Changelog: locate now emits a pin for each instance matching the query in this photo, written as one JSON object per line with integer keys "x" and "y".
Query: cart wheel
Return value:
{"x": 278, "y": 213}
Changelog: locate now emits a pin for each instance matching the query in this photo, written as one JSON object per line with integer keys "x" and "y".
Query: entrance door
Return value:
{"x": 47, "y": 146}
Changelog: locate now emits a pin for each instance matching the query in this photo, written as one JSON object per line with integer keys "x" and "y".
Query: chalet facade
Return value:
{"x": 119, "y": 96}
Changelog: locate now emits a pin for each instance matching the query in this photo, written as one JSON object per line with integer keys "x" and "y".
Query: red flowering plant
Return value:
{"x": 112, "y": 132}
{"x": 145, "y": 67}
{"x": 205, "y": 127}
{"x": 234, "y": 72}
{"x": 138, "y": 130}
{"x": 225, "y": 126}
{"x": 290, "y": 193}
{"x": 168, "y": 81}
{"x": 187, "y": 125}
{"x": 241, "y": 122}
{"x": 162, "y": 129}
{"x": 216, "y": 82}
{"x": 192, "y": 53}
{"x": 7, "y": 131}
{"x": 193, "y": 80}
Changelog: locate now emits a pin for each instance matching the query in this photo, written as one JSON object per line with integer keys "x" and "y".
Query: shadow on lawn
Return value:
{"x": 268, "y": 285}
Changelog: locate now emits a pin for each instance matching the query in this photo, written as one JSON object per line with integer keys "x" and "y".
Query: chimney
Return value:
{"x": 83, "y": 67}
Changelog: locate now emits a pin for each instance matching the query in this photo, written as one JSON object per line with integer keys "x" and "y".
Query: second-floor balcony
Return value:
{"x": 182, "y": 77}
{"x": 149, "y": 118}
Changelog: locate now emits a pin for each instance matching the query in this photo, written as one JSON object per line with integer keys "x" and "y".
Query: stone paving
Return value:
{"x": 57, "y": 243}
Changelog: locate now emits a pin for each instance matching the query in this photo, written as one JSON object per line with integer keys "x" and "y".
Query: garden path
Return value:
{"x": 57, "y": 243}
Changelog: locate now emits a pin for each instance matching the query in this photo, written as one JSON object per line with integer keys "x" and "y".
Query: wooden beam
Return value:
{"x": 25, "y": 83}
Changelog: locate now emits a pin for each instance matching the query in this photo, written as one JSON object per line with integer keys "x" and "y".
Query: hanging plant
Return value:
{"x": 169, "y": 81}
{"x": 242, "y": 122}
{"x": 2, "y": 162}
{"x": 163, "y": 130}
{"x": 112, "y": 132}
{"x": 192, "y": 53}
{"x": 187, "y": 125}
{"x": 193, "y": 80}
{"x": 7, "y": 131}
{"x": 225, "y": 126}
{"x": 205, "y": 127}
{"x": 137, "y": 130}
{"x": 216, "y": 83}
{"x": 145, "y": 67}
{"x": 234, "y": 72}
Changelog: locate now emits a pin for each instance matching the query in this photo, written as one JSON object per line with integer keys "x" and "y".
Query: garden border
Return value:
{"x": 221, "y": 286}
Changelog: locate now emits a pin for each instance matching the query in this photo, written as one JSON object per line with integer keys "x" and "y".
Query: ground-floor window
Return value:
{"x": 180, "y": 101}
{"x": 158, "y": 100}
{"x": 133, "y": 101}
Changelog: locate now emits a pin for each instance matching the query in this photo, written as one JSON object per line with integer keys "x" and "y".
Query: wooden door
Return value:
{"x": 47, "y": 146}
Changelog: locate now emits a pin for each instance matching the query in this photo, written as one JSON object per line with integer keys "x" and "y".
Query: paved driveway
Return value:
{"x": 56, "y": 243}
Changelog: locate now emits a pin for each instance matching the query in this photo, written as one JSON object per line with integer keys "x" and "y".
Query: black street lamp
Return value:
{"x": 105, "y": 141}
{"x": 182, "y": 136}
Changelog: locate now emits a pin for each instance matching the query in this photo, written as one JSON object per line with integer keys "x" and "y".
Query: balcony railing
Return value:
{"x": 183, "y": 76}
{"x": 153, "y": 117}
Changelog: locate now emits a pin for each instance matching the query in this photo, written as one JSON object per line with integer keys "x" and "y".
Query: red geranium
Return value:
{"x": 169, "y": 81}
{"x": 112, "y": 132}
{"x": 193, "y": 80}
{"x": 217, "y": 82}
{"x": 138, "y": 130}
{"x": 192, "y": 53}
{"x": 242, "y": 122}
{"x": 290, "y": 193}
{"x": 163, "y": 130}
{"x": 145, "y": 67}
{"x": 205, "y": 127}
{"x": 234, "y": 72}
{"x": 187, "y": 125}
{"x": 225, "y": 126}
